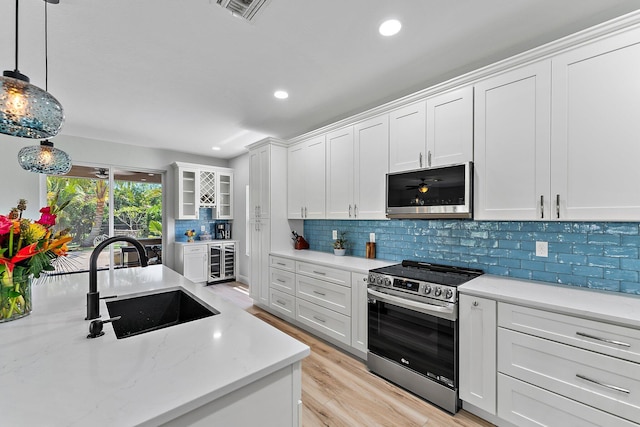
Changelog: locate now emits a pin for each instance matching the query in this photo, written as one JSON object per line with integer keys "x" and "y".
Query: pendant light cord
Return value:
{"x": 46, "y": 48}
{"x": 16, "y": 35}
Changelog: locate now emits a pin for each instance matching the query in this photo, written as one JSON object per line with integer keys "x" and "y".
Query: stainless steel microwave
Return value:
{"x": 438, "y": 192}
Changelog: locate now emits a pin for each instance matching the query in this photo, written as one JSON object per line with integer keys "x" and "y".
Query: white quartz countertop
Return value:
{"x": 52, "y": 375}
{"x": 206, "y": 242}
{"x": 351, "y": 263}
{"x": 612, "y": 307}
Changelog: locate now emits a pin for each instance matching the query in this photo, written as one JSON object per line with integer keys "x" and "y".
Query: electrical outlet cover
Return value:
{"x": 542, "y": 249}
{"x": 335, "y": 234}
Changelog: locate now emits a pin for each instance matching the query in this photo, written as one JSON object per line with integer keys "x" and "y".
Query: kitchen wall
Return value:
{"x": 599, "y": 255}
{"x": 16, "y": 183}
{"x": 240, "y": 167}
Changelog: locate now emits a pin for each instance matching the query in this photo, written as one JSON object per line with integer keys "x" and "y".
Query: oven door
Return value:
{"x": 424, "y": 343}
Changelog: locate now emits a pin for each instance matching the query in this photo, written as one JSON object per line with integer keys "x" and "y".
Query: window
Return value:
{"x": 108, "y": 201}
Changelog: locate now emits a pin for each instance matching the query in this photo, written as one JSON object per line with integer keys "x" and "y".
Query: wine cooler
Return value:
{"x": 222, "y": 262}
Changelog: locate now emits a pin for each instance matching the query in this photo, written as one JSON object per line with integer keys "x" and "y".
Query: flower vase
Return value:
{"x": 339, "y": 252}
{"x": 15, "y": 297}
{"x": 190, "y": 240}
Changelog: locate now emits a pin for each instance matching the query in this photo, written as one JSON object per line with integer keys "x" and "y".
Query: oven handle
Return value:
{"x": 448, "y": 313}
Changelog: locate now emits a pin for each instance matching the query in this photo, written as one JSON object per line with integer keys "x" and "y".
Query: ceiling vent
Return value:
{"x": 246, "y": 9}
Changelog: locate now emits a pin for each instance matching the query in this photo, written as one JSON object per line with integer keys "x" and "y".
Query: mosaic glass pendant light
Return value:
{"x": 44, "y": 158}
{"x": 26, "y": 110}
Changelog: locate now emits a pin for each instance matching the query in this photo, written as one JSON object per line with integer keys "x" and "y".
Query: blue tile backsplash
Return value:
{"x": 599, "y": 255}
{"x": 206, "y": 219}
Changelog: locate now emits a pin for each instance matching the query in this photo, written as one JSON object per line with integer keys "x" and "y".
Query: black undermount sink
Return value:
{"x": 154, "y": 310}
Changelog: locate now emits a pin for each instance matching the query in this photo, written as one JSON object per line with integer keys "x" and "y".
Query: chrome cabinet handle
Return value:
{"x": 301, "y": 212}
{"x": 281, "y": 302}
{"x": 355, "y": 211}
{"x": 322, "y": 273}
{"x": 429, "y": 158}
{"x": 609, "y": 386}
{"x": 319, "y": 293}
{"x": 609, "y": 341}
{"x": 281, "y": 263}
{"x": 280, "y": 280}
{"x": 557, "y": 205}
{"x": 475, "y": 303}
{"x": 420, "y": 159}
{"x": 305, "y": 212}
{"x": 319, "y": 319}
{"x": 349, "y": 211}
{"x": 542, "y": 206}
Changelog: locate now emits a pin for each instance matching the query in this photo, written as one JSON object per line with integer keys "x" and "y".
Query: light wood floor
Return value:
{"x": 339, "y": 391}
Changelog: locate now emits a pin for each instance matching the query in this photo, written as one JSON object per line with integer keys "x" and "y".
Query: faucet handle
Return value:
{"x": 95, "y": 327}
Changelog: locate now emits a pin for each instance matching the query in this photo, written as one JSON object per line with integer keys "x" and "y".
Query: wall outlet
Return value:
{"x": 542, "y": 249}
{"x": 203, "y": 228}
{"x": 334, "y": 234}
{"x": 372, "y": 237}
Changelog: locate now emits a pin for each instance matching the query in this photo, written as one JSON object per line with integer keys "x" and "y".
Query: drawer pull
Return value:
{"x": 319, "y": 319}
{"x": 319, "y": 293}
{"x": 281, "y": 302}
{"x": 322, "y": 273}
{"x": 280, "y": 280}
{"x": 620, "y": 343}
{"x": 281, "y": 263}
{"x": 609, "y": 386}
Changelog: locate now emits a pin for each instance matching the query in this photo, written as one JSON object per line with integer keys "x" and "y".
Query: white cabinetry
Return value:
{"x": 450, "y": 127}
{"x": 407, "y": 137}
{"x": 191, "y": 261}
{"x": 259, "y": 183}
{"x": 188, "y": 190}
{"x": 435, "y": 132}
{"x": 595, "y": 130}
{"x": 306, "y": 180}
{"x": 478, "y": 322}
{"x": 282, "y": 286}
{"x": 357, "y": 162}
{"x": 224, "y": 194}
{"x": 511, "y": 154}
{"x": 259, "y": 260}
{"x": 359, "y": 311}
{"x": 571, "y": 363}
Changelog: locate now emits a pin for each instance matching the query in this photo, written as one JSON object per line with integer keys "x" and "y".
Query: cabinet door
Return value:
{"x": 595, "y": 134}
{"x": 371, "y": 164}
{"x": 229, "y": 260}
{"x": 207, "y": 185}
{"x": 512, "y": 144}
{"x": 295, "y": 182}
{"x": 259, "y": 262}
{"x": 359, "y": 311}
{"x": 188, "y": 190}
{"x": 224, "y": 195}
{"x": 478, "y": 352}
{"x": 314, "y": 176}
{"x": 259, "y": 183}
{"x": 339, "y": 171}
{"x": 216, "y": 264}
{"x": 407, "y": 137}
{"x": 450, "y": 127}
{"x": 195, "y": 263}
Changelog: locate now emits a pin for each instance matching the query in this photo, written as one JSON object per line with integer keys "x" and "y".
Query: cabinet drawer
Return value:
{"x": 572, "y": 372}
{"x": 284, "y": 281}
{"x": 283, "y": 303}
{"x": 282, "y": 263}
{"x": 195, "y": 249}
{"x": 340, "y": 277}
{"x": 527, "y": 406}
{"x": 335, "y": 325}
{"x": 614, "y": 340}
{"x": 325, "y": 294}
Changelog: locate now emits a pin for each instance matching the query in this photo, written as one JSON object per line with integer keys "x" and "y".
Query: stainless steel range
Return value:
{"x": 413, "y": 328}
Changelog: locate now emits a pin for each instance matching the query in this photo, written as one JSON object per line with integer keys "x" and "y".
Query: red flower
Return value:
{"x": 5, "y": 224}
{"x": 47, "y": 219}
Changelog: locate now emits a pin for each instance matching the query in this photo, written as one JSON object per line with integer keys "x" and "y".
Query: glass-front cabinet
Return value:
{"x": 202, "y": 186}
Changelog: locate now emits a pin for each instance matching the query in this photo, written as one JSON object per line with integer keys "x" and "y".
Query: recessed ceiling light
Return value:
{"x": 216, "y": 148}
{"x": 390, "y": 27}
{"x": 281, "y": 94}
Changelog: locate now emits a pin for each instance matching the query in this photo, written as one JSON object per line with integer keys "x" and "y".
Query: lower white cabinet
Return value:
{"x": 283, "y": 303}
{"x": 359, "y": 311}
{"x": 192, "y": 262}
{"x": 329, "y": 322}
{"x": 477, "y": 366}
{"x": 326, "y": 294}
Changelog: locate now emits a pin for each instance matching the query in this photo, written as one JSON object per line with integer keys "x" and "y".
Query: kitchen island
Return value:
{"x": 228, "y": 369}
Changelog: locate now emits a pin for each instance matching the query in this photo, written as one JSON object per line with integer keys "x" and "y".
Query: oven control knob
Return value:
{"x": 387, "y": 281}
{"x": 379, "y": 280}
{"x": 372, "y": 278}
{"x": 427, "y": 289}
{"x": 438, "y": 292}
{"x": 448, "y": 294}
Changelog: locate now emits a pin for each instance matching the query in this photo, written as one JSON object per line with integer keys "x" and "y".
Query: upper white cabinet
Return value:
{"x": 435, "y": 132}
{"x": 450, "y": 127}
{"x": 512, "y": 136}
{"x": 188, "y": 190}
{"x": 259, "y": 183}
{"x": 595, "y": 130}
{"x": 407, "y": 137}
{"x": 199, "y": 186}
{"x": 357, "y": 163}
{"x": 306, "y": 180}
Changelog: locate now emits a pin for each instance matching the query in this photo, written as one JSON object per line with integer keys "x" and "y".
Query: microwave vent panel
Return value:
{"x": 246, "y": 9}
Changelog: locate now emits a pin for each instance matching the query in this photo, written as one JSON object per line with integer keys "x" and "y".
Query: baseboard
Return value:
{"x": 242, "y": 279}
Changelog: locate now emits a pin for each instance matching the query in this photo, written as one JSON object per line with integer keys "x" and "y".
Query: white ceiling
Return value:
{"x": 186, "y": 75}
